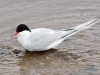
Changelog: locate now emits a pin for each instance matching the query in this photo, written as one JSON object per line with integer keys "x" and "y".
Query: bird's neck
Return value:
{"x": 23, "y": 37}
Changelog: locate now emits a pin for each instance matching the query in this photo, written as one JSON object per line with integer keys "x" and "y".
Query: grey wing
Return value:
{"x": 38, "y": 34}
{"x": 44, "y": 37}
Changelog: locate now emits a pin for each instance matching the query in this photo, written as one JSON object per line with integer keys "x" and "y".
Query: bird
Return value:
{"x": 41, "y": 39}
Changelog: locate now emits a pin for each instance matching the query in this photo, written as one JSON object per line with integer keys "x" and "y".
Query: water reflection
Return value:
{"x": 31, "y": 61}
{"x": 42, "y": 63}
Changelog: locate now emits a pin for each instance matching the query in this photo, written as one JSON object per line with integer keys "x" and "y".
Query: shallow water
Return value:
{"x": 78, "y": 55}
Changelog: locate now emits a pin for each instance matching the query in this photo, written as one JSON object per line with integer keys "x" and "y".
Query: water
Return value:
{"x": 78, "y": 55}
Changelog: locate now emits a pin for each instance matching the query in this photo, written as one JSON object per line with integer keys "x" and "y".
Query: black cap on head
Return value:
{"x": 22, "y": 27}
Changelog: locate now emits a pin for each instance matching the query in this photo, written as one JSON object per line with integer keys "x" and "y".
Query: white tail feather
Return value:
{"x": 73, "y": 31}
{"x": 81, "y": 27}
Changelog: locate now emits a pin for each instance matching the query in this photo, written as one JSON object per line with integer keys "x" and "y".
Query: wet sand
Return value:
{"x": 78, "y": 55}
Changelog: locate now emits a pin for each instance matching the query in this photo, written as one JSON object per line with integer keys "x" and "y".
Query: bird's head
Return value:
{"x": 21, "y": 28}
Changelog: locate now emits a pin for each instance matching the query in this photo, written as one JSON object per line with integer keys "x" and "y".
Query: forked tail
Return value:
{"x": 72, "y": 31}
{"x": 80, "y": 27}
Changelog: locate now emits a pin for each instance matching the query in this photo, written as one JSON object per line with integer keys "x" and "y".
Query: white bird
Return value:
{"x": 42, "y": 39}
